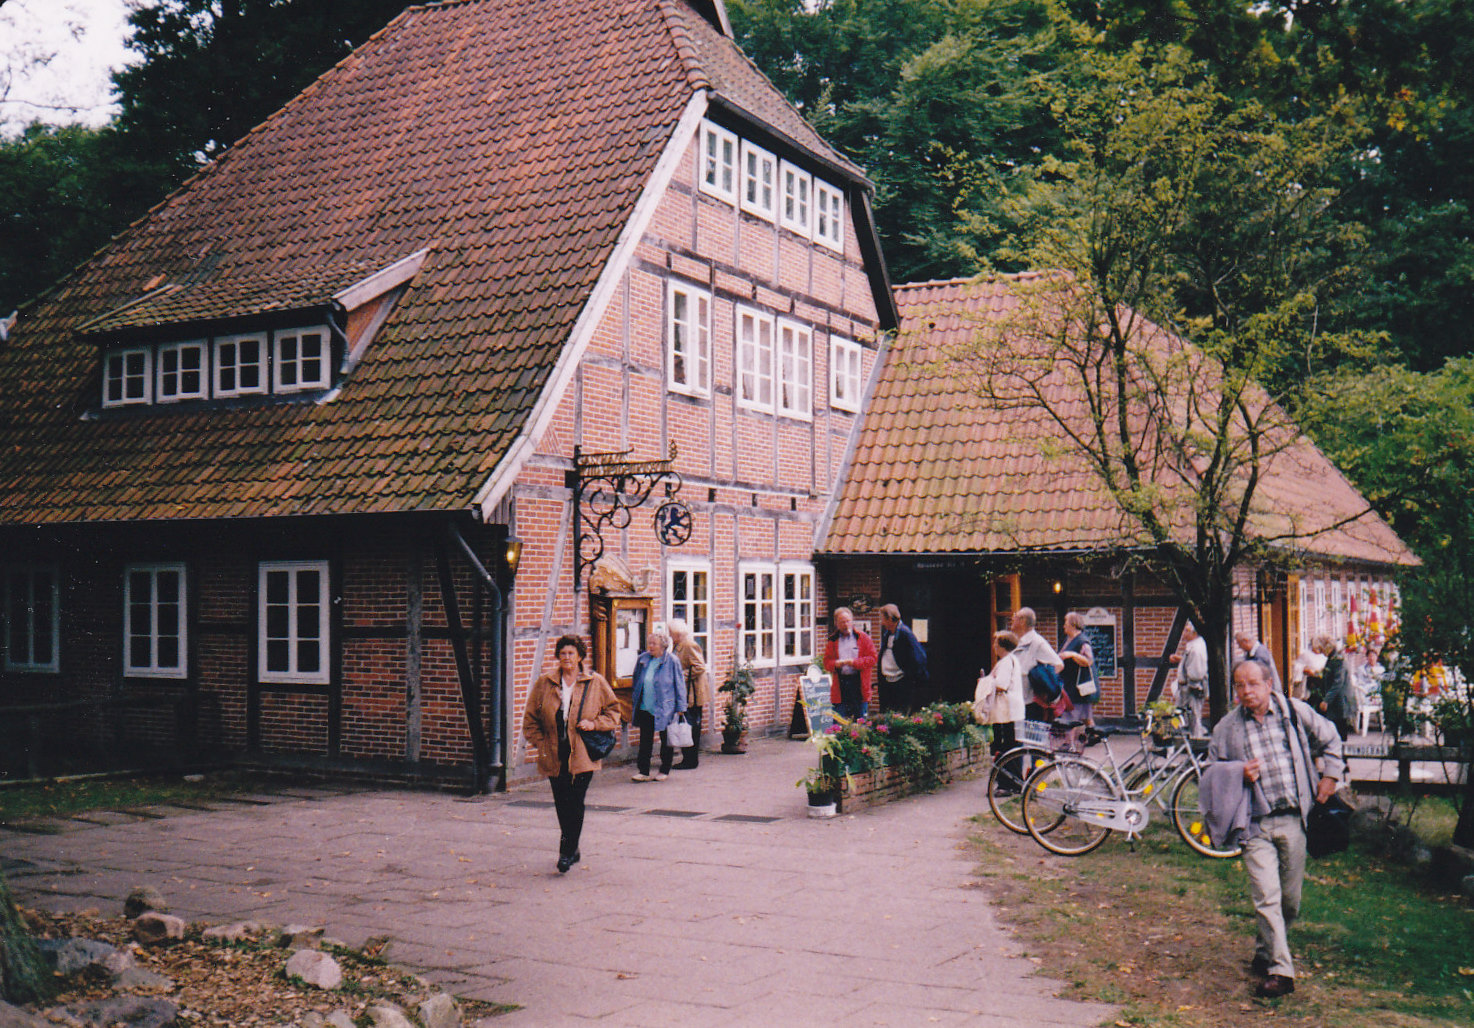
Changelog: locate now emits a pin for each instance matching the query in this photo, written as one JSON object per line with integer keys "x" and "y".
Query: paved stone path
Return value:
{"x": 707, "y": 899}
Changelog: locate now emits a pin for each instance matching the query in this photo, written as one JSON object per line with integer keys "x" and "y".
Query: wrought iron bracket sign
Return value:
{"x": 607, "y": 487}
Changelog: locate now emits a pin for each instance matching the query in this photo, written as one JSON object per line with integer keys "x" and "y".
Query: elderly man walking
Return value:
{"x": 1277, "y": 742}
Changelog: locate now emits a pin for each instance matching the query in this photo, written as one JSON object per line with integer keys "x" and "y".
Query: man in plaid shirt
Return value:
{"x": 1291, "y": 759}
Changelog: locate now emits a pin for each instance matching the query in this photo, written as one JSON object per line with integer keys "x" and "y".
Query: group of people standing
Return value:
{"x": 671, "y": 682}
{"x": 855, "y": 663}
{"x": 1004, "y": 696}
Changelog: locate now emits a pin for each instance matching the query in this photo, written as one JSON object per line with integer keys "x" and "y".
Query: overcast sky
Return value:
{"x": 55, "y": 59}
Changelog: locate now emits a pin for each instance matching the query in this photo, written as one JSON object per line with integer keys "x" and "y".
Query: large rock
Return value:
{"x": 440, "y": 1011}
{"x": 72, "y": 956}
{"x": 315, "y": 968}
{"x": 143, "y": 899}
{"x": 383, "y": 1014}
{"x": 337, "y": 1019}
{"x": 128, "y": 1011}
{"x": 240, "y": 931}
{"x": 151, "y": 928}
{"x": 300, "y": 936}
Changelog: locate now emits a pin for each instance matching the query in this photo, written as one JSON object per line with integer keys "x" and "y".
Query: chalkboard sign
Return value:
{"x": 1100, "y": 629}
{"x": 812, "y": 711}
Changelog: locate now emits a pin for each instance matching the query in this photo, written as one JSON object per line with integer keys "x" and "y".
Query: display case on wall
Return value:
{"x": 619, "y": 623}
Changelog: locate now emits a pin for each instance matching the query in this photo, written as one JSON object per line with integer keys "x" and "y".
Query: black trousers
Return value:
{"x": 691, "y": 754}
{"x": 645, "y": 722}
{"x": 1004, "y": 739}
{"x": 569, "y": 791}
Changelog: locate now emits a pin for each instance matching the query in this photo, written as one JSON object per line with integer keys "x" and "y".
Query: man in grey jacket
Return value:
{"x": 1279, "y": 741}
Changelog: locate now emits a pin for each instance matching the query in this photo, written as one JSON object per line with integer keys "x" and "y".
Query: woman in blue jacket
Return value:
{"x": 660, "y": 694}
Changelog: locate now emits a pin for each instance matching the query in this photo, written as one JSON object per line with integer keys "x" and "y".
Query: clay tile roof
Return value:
{"x": 937, "y": 469}
{"x": 511, "y": 139}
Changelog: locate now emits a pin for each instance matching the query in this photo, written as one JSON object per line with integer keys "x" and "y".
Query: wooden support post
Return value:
{"x": 470, "y": 691}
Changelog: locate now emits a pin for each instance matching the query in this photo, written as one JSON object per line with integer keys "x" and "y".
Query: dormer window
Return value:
{"x": 301, "y": 360}
{"x": 128, "y": 377}
{"x": 240, "y": 364}
{"x": 181, "y": 372}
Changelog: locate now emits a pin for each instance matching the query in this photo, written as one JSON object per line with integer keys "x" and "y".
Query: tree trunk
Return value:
{"x": 24, "y": 976}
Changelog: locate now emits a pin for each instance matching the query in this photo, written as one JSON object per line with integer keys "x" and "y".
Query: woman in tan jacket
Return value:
{"x": 698, "y": 686}
{"x": 569, "y": 694}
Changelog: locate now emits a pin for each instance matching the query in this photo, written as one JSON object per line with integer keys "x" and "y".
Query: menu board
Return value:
{"x": 1100, "y": 629}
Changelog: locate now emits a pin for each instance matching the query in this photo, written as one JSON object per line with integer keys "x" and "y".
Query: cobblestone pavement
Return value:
{"x": 706, "y": 899}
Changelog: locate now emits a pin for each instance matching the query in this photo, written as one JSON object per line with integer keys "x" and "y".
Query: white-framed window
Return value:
{"x": 32, "y": 617}
{"x": 846, "y": 373}
{"x": 797, "y": 615}
{"x": 688, "y": 592}
{"x": 797, "y": 204}
{"x": 292, "y": 621}
{"x": 300, "y": 360}
{"x": 1338, "y": 616}
{"x": 754, "y": 359}
{"x": 181, "y": 372}
{"x": 759, "y": 181}
{"x": 1321, "y": 620}
{"x": 155, "y": 638}
{"x": 127, "y": 376}
{"x": 795, "y": 369}
{"x": 828, "y": 215}
{"x": 240, "y": 364}
{"x": 757, "y": 614}
{"x": 1303, "y": 589}
{"x": 689, "y": 335}
{"x": 718, "y": 173}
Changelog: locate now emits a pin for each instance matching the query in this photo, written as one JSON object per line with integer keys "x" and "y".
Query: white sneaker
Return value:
{"x": 658, "y": 776}
{"x": 640, "y": 778}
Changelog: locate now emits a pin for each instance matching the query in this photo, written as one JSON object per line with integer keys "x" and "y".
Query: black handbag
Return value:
{"x": 598, "y": 743}
{"x": 1328, "y": 827}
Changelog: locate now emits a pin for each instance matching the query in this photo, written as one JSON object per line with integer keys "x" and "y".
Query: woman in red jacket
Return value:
{"x": 850, "y": 657}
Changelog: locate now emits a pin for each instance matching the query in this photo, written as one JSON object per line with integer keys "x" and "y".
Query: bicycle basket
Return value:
{"x": 1034, "y": 733}
{"x": 1067, "y": 738}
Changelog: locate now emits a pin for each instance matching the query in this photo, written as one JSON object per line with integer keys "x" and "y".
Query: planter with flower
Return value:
{"x": 739, "y": 687}
{"x": 894, "y": 755}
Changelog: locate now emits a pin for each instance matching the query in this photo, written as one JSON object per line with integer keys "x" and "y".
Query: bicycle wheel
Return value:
{"x": 1056, "y": 806}
{"x": 1006, "y": 785}
{"x": 1189, "y": 821}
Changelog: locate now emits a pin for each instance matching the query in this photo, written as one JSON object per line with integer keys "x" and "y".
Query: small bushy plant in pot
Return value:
{"x": 739, "y": 687}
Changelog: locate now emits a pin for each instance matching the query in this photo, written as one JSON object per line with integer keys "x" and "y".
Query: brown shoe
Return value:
{"x": 1275, "y": 986}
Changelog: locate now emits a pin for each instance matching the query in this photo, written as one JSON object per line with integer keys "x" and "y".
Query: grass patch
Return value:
{"x": 1166, "y": 935}
{"x": 21, "y": 801}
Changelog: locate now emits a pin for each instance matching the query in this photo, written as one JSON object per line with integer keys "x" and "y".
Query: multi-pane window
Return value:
{"x": 757, "y": 614}
{"x": 240, "y": 364}
{"x": 127, "y": 377}
{"x": 690, "y": 340}
{"x": 1338, "y": 616}
{"x": 754, "y": 359}
{"x": 797, "y": 615}
{"x": 293, "y": 621}
{"x": 154, "y": 634}
{"x": 828, "y": 215}
{"x": 1303, "y": 591}
{"x": 759, "y": 181}
{"x": 797, "y": 185}
{"x": 689, "y": 593}
{"x": 301, "y": 360}
{"x": 846, "y": 374}
{"x": 718, "y": 162}
{"x": 795, "y": 369}
{"x": 181, "y": 372}
{"x": 1322, "y": 622}
{"x": 32, "y": 620}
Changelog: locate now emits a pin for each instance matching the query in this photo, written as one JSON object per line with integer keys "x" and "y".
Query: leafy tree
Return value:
{"x": 63, "y": 192}
{"x": 211, "y": 70}
{"x": 1407, "y": 439}
{"x": 1182, "y": 208}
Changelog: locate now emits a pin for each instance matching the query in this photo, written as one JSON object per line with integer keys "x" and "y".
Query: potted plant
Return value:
{"x": 739, "y": 687}
{"x": 823, "y": 792}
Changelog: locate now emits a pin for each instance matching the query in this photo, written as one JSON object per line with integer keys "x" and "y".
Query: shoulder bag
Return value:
{"x": 598, "y": 743}
{"x": 1328, "y": 825}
